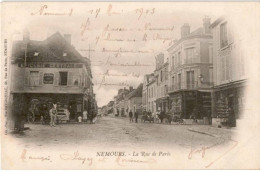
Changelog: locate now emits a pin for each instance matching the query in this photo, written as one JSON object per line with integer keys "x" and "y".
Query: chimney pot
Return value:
{"x": 185, "y": 30}
{"x": 206, "y": 25}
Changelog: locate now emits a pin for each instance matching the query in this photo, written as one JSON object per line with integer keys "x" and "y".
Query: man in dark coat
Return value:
{"x": 136, "y": 117}
{"x": 131, "y": 116}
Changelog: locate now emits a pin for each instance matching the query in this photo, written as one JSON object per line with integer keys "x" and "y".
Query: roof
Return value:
{"x": 54, "y": 49}
{"x": 148, "y": 76}
{"x": 198, "y": 33}
{"x": 216, "y": 22}
{"x": 137, "y": 92}
{"x": 152, "y": 81}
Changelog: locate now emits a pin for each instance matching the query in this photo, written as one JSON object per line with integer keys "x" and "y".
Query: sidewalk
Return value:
{"x": 211, "y": 130}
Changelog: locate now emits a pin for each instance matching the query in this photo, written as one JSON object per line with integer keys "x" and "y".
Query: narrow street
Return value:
{"x": 119, "y": 133}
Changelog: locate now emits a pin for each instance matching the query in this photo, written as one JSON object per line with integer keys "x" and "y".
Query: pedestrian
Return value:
{"x": 53, "y": 115}
{"x": 131, "y": 116}
{"x": 80, "y": 119}
{"x": 136, "y": 117}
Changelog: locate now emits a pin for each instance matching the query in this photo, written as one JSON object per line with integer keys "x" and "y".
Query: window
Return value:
{"x": 179, "y": 58}
{"x": 173, "y": 62}
{"x": 190, "y": 52}
{"x": 63, "y": 78}
{"x": 76, "y": 80}
{"x": 161, "y": 75}
{"x": 210, "y": 54}
{"x": 172, "y": 82}
{"x": 190, "y": 79}
{"x": 34, "y": 78}
{"x": 179, "y": 80}
{"x": 223, "y": 35}
{"x": 225, "y": 68}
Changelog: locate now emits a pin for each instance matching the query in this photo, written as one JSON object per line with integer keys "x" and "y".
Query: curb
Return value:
{"x": 204, "y": 133}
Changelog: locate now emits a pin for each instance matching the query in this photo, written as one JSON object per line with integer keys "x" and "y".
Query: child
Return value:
{"x": 80, "y": 119}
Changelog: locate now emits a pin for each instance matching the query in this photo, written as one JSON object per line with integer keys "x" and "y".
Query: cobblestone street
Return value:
{"x": 119, "y": 132}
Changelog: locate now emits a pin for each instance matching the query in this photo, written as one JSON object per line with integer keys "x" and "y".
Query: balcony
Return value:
{"x": 189, "y": 86}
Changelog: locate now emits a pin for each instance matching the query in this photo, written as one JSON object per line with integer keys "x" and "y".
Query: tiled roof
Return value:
{"x": 137, "y": 92}
{"x": 53, "y": 49}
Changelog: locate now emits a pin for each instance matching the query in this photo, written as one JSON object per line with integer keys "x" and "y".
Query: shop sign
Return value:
{"x": 48, "y": 78}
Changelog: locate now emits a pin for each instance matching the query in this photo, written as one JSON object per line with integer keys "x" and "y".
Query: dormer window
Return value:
{"x": 64, "y": 54}
{"x": 36, "y": 53}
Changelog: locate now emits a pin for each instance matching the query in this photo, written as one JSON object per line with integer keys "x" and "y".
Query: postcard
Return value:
{"x": 130, "y": 85}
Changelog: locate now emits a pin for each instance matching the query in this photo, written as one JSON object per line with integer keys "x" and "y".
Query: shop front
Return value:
{"x": 190, "y": 104}
{"x": 69, "y": 106}
{"x": 162, "y": 104}
{"x": 228, "y": 102}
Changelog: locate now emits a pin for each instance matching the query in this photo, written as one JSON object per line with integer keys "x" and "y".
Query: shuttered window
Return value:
{"x": 63, "y": 78}
{"x": 34, "y": 78}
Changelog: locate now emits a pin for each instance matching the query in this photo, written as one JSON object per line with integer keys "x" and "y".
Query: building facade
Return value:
{"x": 161, "y": 75}
{"x": 145, "y": 92}
{"x": 151, "y": 94}
{"x": 121, "y": 103}
{"x": 134, "y": 100}
{"x": 191, "y": 72}
{"x": 51, "y": 71}
{"x": 230, "y": 73}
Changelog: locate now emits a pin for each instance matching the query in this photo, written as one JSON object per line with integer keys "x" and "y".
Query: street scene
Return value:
{"x": 119, "y": 133}
{"x": 142, "y": 77}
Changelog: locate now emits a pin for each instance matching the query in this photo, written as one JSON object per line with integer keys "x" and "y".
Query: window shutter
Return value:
{"x": 70, "y": 75}
{"x": 56, "y": 78}
{"x": 26, "y": 78}
{"x": 41, "y": 78}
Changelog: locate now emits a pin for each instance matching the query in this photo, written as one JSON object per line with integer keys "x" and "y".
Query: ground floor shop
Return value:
{"x": 228, "y": 102}
{"x": 162, "y": 104}
{"x": 190, "y": 104}
{"x": 69, "y": 105}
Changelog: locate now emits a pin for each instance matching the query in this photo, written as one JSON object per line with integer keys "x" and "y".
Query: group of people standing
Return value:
{"x": 132, "y": 116}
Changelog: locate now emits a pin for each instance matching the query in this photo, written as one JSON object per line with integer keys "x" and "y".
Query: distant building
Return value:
{"x": 145, "y": 91}
{"x": 230, "y": 73}
{"x": 134, "y": 100}
{"x": 161, "y": 75}
{"x": 151, "y": 94}
{"x": 120, "y": 104}
{"x": 191, "y": 72}
{"x": 51, "y": 71}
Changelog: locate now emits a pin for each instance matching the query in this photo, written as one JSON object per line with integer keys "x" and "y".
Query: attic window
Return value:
{"x": 36, "y": 53}
{"x": 64, "y": 54}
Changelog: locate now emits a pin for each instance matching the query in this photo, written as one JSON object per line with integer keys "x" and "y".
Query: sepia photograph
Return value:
{"x": 130, "y": 85}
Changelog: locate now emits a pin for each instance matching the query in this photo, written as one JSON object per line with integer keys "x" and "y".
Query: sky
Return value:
{"x": 121, "y": 39}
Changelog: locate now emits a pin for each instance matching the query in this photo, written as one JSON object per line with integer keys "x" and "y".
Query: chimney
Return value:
{"x": 185, "y": 30}
{"x": 206, "y": 25}
{"x": 68, "y": 38}
{"x": 131, "y": 88}
{"x": 159, "y": 59}
{"x": 26, "y": 35}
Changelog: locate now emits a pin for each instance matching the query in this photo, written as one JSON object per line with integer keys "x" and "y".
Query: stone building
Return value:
{"x": 134, "y": 100}
{"x": 151, "y": 94}
{"x": 145, "y": 91}
{"x": 51, "y": 71}
{"x": 161, "y": 75}
{"x": 191, "y": 72}
{"x": 230, "y": 73}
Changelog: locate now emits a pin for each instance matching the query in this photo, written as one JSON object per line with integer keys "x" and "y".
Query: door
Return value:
{"x": 190, "y": 105}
